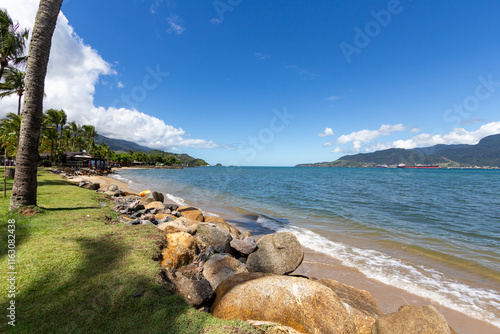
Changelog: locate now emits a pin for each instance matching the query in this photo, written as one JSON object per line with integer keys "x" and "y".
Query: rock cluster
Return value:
{"x": 213, "y": 265}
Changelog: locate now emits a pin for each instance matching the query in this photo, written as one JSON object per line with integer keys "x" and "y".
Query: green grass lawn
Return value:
{"x": 78, "y": 271}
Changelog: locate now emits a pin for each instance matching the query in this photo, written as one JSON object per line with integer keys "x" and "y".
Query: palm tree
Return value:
{"x": 12, "y": 42}
{"x": 75, "y": 130}
{"x": 10, "y": 127}
{"x": 66, "y": 136}
{"x": 9, "y": 137}
{"x": 53, "y": 122}
{"x": 13, "y": 84}
{"x": 89, "y": 135}
{"x": 25, "y": 181}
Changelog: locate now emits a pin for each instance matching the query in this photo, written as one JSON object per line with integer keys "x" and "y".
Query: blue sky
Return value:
{"x": 276, "y": 82}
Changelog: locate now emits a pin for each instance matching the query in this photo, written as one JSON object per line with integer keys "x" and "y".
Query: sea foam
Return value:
{"x": 482, "y": 304}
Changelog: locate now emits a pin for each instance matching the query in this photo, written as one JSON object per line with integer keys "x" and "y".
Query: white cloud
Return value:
{"x": 457, "y": 136}
{"x": 260, "y": 55}
{"x": 333, "y": 98}
{"x": 366, "y": 136}
{"x": 73, "y": 72}
{"x": 120, "y": 84}
{"x": 176, "y": 25}
{"x": 326, "y": 133}
{"x": 215, "y": 20}
{"x": 341, "y": 150}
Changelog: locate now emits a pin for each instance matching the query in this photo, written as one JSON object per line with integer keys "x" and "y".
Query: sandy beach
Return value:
{"x": 321, "y": 266}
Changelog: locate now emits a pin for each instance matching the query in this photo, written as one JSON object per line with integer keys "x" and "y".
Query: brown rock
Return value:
{"x": 165, "y": 216}
{"x": 195, "y": 292}
{"x": 412, "y": 320}
{"x": 224, "y": 225}
{"x": 148, "y": 216}
{"x": 357, "y": 298}
{"x": 157, "y": 196}
{"x": 277, "y": 253}
{"x": 155, "y": 205}
{"x": 243, "y": 246}
{"x": 181, "y": 248}
{"x": 89, "y": 185}
{"x": 220, "y": 267}
{"x": 182, "y": 224}
{"x": 304, "y": 305}
{"x": 191, "y": 212}
{"x": 271, "y": 327}
{"x": 215, "y": 236}
{"x": 360, "y": 303}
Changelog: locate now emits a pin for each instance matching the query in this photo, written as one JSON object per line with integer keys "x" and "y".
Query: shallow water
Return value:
{"x": 434, "y": 233}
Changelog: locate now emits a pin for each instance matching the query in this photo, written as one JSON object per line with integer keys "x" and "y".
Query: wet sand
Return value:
{"x": 321, "y": 266}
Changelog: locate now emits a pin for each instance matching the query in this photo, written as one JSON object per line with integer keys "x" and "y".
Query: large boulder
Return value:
{"x": 195, "y": 292}
{"x": 278, "y": 253}
{"x": 357, "y": 298}
{"x": 191, "y": 212}
{"x": 412, "y": 320}
{"x": 306, "y": 306}
{"x": 220, "y": 267}
{"x": 165, "y": 217}
{"x": 157, "y": 196}
{"x": 182, "y": 224}
{"x": 181, "y": 249}
{"x": 271, "y": 327}
{"x": 155, "y": 205}
{"x": 245, "y": 247}
{"x": 224, "y": 225}
{"x": 359, "y": 303}
{"x": 215, "y": 236}
{"x": 89, "y": 185}
{"x": 136, "y": 205}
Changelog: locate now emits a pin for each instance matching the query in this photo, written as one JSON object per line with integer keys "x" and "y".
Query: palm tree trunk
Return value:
{"x": 19, "y": 106}
{"x": 25, "y": 182}
{"x": 2, "y": 68}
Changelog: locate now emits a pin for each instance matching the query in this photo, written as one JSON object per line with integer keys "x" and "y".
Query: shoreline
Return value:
{"x": 320, "y": 266}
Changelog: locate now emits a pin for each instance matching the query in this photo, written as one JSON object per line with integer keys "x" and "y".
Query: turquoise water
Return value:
{"x": 435, "y": 233}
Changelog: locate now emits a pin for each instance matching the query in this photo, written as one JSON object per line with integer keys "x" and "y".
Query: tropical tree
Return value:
{"x": 12, "y": 42}
{"x": 89, "y": 135}
{"x": 25, "y": 181}
{"x": 10, "y": 127}
{"x": 76, "y": 131}
{"x": 53, "y": 122}
{"x": 13, "y": 84}
{"x": 103, "y": 151}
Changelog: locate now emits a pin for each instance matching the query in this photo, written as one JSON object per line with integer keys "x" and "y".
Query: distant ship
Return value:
{"x": 419, "y": 166}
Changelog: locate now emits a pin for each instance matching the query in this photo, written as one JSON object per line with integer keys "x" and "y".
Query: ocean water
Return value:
{"x": 434, "y": 233}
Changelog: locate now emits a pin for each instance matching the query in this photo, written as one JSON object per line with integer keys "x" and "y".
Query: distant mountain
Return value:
{"x": 485, "y": 153}
{"x": 121, "y": 145}
{"x": 186, "y": 159}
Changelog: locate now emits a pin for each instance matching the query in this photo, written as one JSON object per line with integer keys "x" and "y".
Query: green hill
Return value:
{"x": 121, "y": 145}
{"x": 485, "y": 153}
{"x": 186, "y": 159}
{"x": 125, "y": 146}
